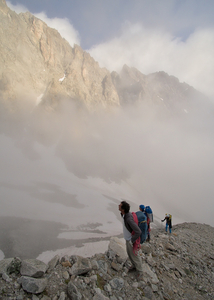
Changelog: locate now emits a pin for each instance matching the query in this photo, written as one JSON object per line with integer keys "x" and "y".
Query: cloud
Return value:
{"x": 63, "y": 26}
{"x": 17, "y": 8}
{"x": 152, "y": 50}
{"x": 163, "y": 162}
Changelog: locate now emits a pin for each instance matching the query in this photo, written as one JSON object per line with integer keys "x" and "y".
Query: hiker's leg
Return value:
{"x": 135, "y": 259}
{"x": 170, "y": 230}
{"x": 166, "y": 227}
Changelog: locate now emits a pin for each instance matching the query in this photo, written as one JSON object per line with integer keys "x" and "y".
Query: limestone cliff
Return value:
{"x": 38, "y": 64}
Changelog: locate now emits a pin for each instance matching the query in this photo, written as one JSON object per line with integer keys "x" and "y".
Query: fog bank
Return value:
{"x": 73, "y": 168}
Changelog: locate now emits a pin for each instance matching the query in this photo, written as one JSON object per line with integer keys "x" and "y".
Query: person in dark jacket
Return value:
{"x": 131, "y": 232}
{"x": 168, "y": 219}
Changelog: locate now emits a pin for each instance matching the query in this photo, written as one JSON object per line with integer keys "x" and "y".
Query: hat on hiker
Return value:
{"x": 142, "y": 207}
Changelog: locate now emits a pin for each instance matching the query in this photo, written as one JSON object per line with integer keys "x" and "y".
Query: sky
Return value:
{"x": 175, "y": 36}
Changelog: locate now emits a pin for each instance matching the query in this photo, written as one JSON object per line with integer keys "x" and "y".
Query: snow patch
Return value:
{"x": 88, "y": 250}
{"x": 160, "y": 98}
{"x": 61, "y": 79}
{"x": 39, "y": 99}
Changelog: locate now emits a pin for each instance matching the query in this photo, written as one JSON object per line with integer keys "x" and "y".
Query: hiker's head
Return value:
{"x": 142, "y": 207}
{"x": 124, "y": 207}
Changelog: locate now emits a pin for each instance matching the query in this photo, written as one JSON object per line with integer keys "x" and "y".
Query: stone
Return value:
{"x": 33, "y": 268}
{"x": 148, "y": 271}
{"x": 73, "y": 292}
{"x": 100, "y": 297}
{"x": 33, "y": 285}
{"x": 117, "y": 283}
{"x": 116, "y": 267}
{"x": 118, "y": 246}
{"x": 81, "y": 266}
{"x": 66, "y": 263}
{"x": 4, "y": 265}
{"x": 53, "y": 262}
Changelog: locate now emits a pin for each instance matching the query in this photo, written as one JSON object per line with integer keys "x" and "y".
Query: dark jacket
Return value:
{"x": 168, "y": 221}
{"x": 132, "y": 226}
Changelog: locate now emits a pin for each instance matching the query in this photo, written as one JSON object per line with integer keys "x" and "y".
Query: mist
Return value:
{"x": 68, "y": 170}
{"x": 167, "y": 159}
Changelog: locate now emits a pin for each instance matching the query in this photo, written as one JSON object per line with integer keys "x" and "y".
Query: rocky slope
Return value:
{"x": 39, "y": 66}
{"x": 176, "y": 266}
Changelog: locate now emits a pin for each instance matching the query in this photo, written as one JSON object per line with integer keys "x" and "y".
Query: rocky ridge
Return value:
{"x": 176, "y": 266}
{"x": 38, "y": 66}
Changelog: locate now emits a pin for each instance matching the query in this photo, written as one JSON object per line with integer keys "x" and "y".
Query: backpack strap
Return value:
{"x": 143, "y": 222}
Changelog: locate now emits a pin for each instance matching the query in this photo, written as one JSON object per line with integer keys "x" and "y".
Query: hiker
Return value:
{"x": 143, "y": 209}
{"x": 131, "y": 233}
{"x": 168, "y": 219}
{"x": 142, "y": 223}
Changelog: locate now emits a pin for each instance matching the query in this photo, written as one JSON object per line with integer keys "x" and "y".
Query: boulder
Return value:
{"x": 33, "y": 285}
{"x": 33, "y": 268}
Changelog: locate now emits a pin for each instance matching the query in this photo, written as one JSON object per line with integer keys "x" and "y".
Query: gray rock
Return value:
{"x": 102, "y": 265}
{"x": 100, "y": 297}
{"x": 4, "y": 265}
{"x": 116, "y": 267}
{"x": 14, "y": 266}
{"x": 170, "y": 247}
{"x": 73, "y": 292}
{"x": 33, "y": 268}
{"x": 117, "y": 246}
{"x": 148, "y": 293}
{"x": 81, "y": 266}
{"x": 45, "y": 298}
{"x": 53, "y": 262}
{"x": 65, "y": 275}
{"x": 6, "y": 277}
{"x": 33, "y": 285}
{"x": 117, "y": 283}
{"x": 94, "y": 264}
{"x": 152, "y": 275}
{"x": 107, "y": 288}
{"x": 62, "y": 296}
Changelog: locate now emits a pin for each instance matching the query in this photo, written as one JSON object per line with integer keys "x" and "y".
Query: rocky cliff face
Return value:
{"x": 38, "y": 65}
{"x": 180, "y": 266}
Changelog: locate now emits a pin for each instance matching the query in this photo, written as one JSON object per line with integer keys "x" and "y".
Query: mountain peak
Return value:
{"x": 37, "y": 63}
